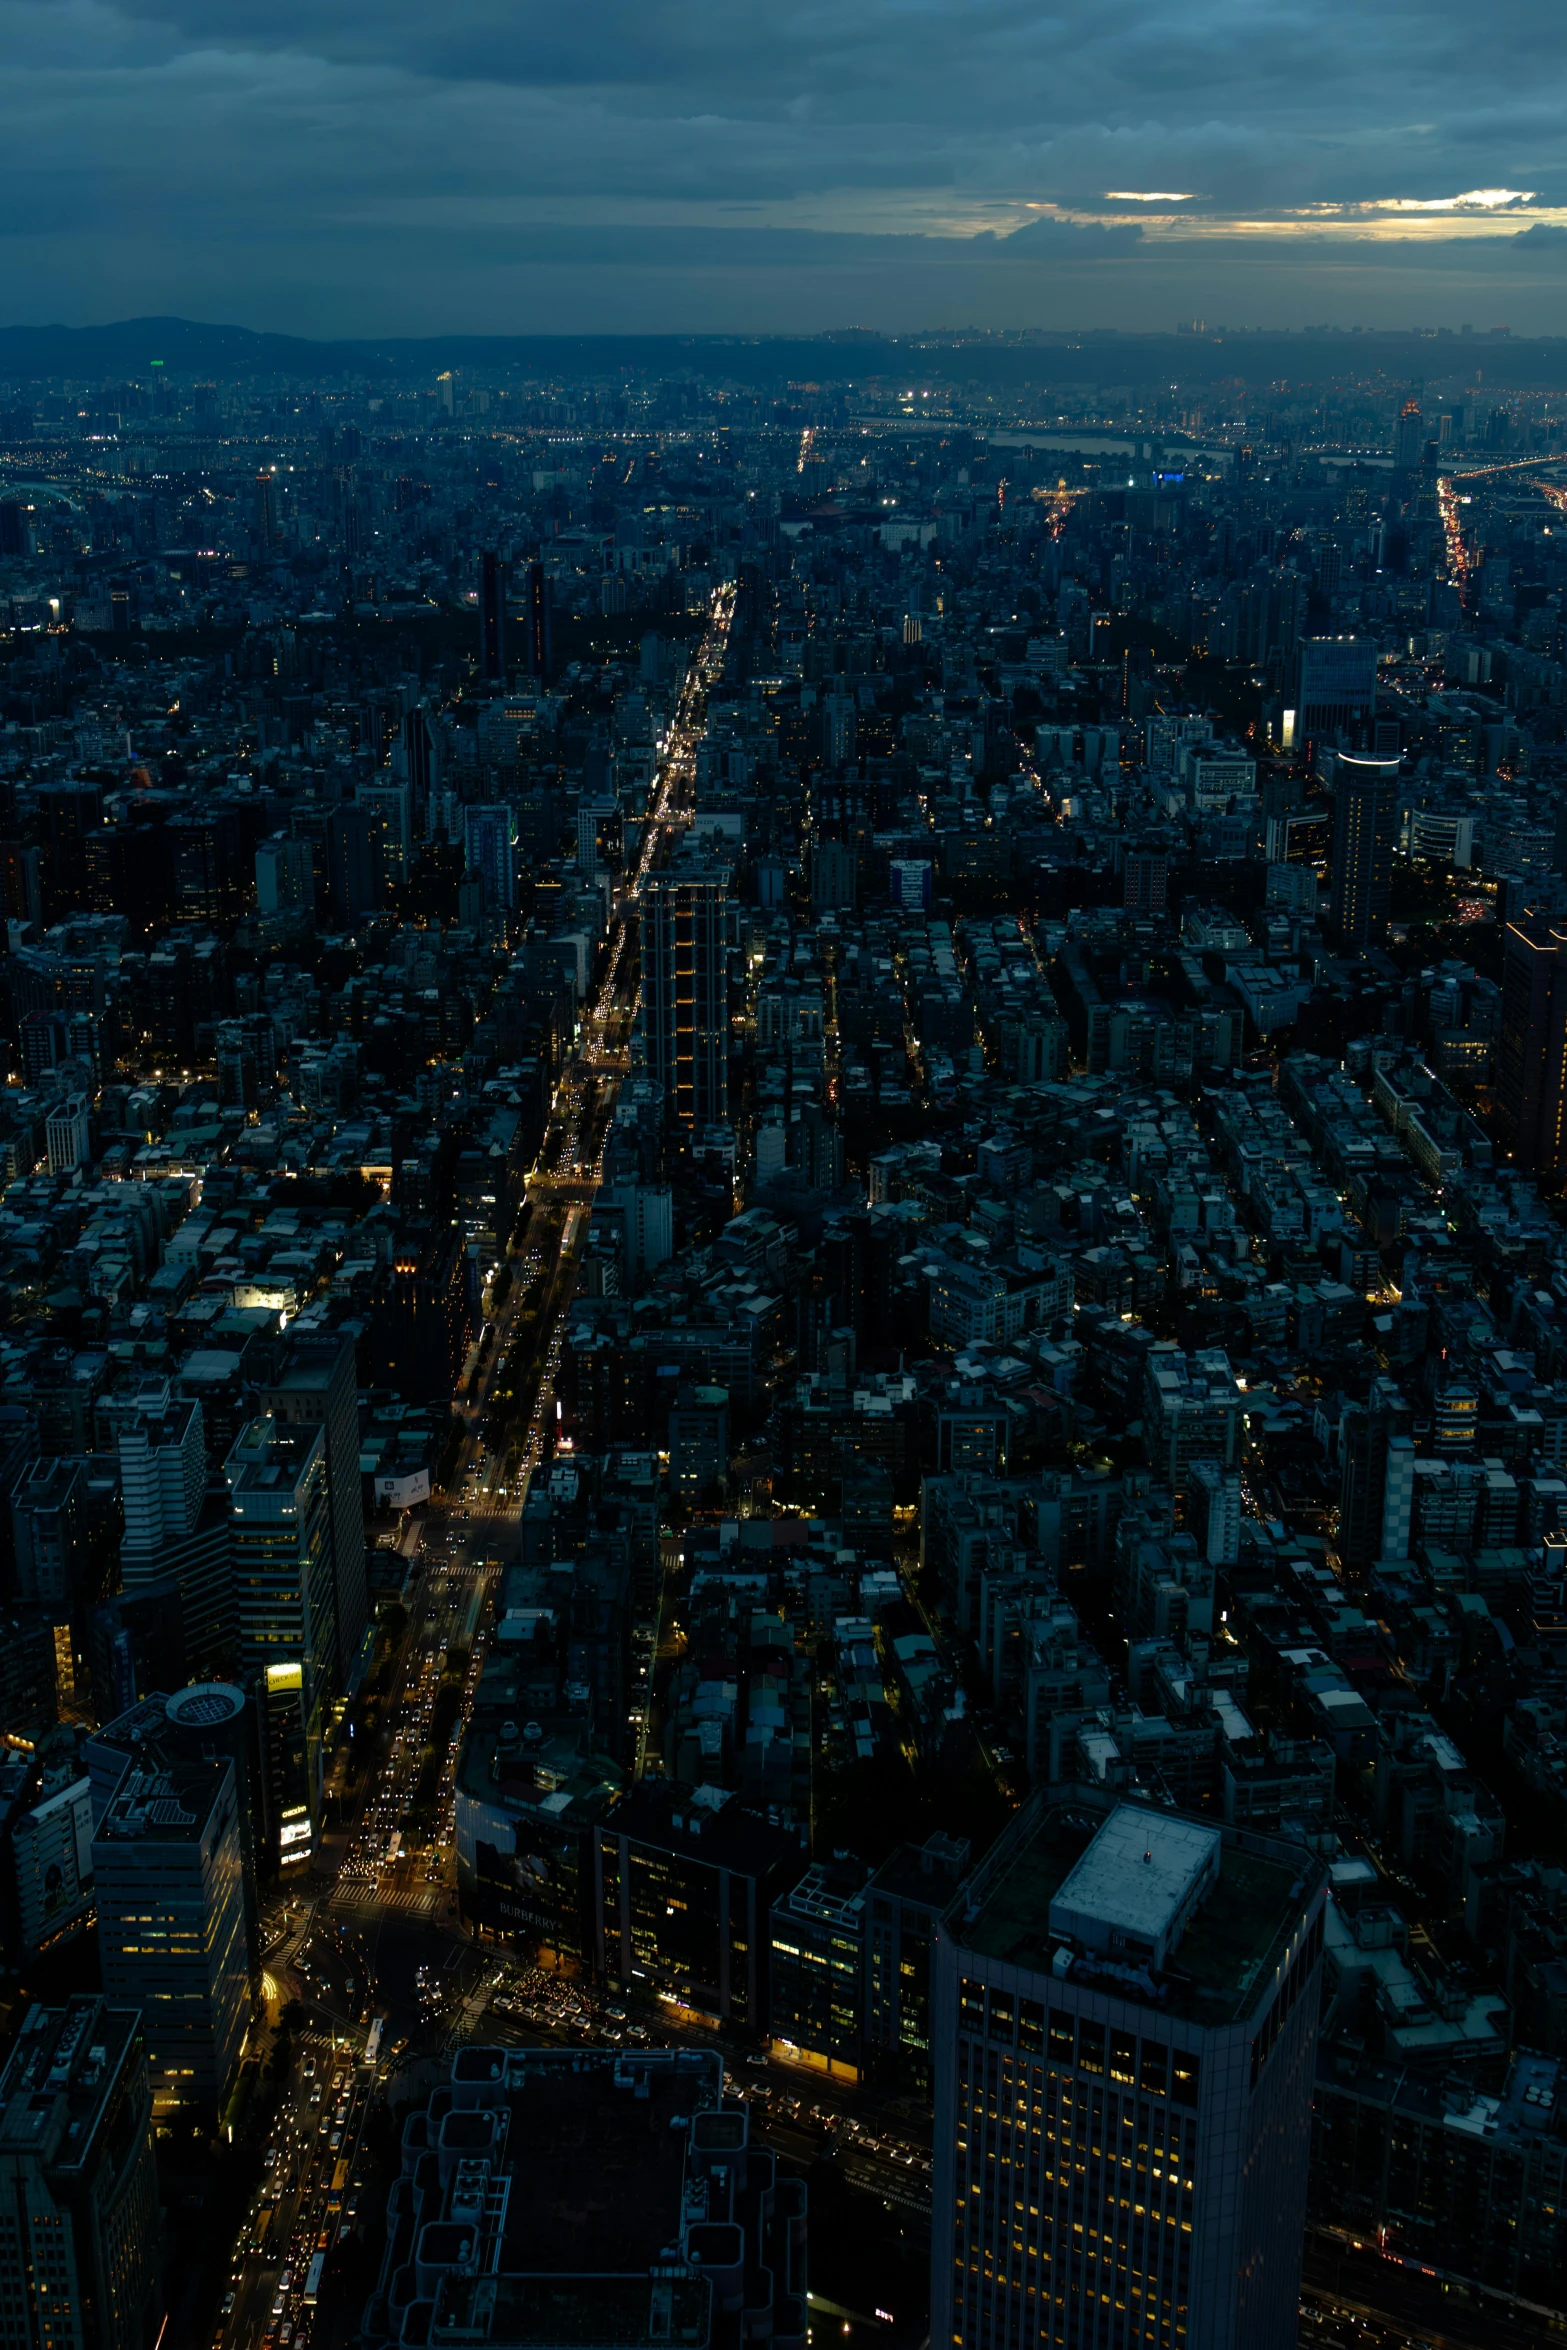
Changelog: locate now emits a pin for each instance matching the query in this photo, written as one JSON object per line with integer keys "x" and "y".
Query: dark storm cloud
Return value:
{"x": 344, "y": 165}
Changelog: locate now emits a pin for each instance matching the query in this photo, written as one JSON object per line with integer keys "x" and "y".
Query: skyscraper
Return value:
{"x": 388, "y": 803}
{"x": 1531, "y": 1058}
{"x": 281, "y": 1528}
{"x": 1124, "y": 2020}
{"x": 1213, "y": 1507}
{"x": 169, "y": 1528}
{"x": 685, "y": 997}
{"x": 49, "y": 1535}
{"x": 355, "y": 879}
{"x": 46, "y": 1884}
{"x": 1376, "y": 1483}
{"x": 1338, "y": 685}
{"x": 541, "y": 634}
{"x": 489, "y": 839}
{"x": 1409, "y": 439}
{"x": 317, "y": 1388}
{"x": 1365, "y": 830}
{"x": 1145, "y": 880}
{"x": 492, "y": 617}
{"x": 421, "y": 760}
{"x": 285, "y": 877}
{"x": 169, "y": 1873}
{"x": 80, "y": 2237}
{"x": 210, "y": 1721}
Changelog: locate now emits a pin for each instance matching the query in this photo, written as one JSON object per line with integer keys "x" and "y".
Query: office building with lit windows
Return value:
{"x": 316, "y": 1387}
{"x": 168, "y": 1865}
{"x": 80, "y": 2232}
{"x": 281, "y": 1533}
{"x": 684, "y": 1879}
{"x": 685, "y": 996}
{"x": 492, "y": 617}
{"x": 489, "y": 836}
{"x": 904, "y": 1902}
{"x": 208, "y": 1721}
{"x": 1336, "y": 686}
{"x": 172, "y": 1527}
{"x": 1124, "y": 2020}
{"x": 1365, "y": 833}
{"x": 817, "y": 1998}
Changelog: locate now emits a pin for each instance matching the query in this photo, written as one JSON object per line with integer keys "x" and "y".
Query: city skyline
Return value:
{"x": 783, "y": 1336}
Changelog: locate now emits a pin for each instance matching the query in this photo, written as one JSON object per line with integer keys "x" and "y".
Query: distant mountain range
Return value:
{"x": 130, "y": 347}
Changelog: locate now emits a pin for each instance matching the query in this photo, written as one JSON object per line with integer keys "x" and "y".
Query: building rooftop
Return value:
{"x": 554, "y": 2197}
{"x": 1532, "y": 2104}
{"x": 560, "y": 1774}
{"x": 60, "y": 2077}
{"x": 620, "y": 2313}
{"x": 597, "y": 2167}
{"x": 728, "y": 1835}
{"x": 1137, "y": 1883}
{"x": 830, "y": 1893}
{"x": 1222, "y": 1963}
{"x": 927, "y": 1873}
{"x": 162, "y": 1804}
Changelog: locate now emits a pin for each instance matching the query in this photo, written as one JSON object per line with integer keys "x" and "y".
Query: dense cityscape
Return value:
{"x": 783, "y": 1372}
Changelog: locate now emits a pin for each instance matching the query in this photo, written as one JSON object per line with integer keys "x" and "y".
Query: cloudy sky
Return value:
{"x": 409, "y": 166}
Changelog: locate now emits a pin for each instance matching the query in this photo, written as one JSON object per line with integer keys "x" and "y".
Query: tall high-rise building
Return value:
{"x": 1145, "y": 881}
{"x": 1365, "y": 833}
{"x": 1409, "y": 438}
{"x": 1337, "y": 687}
{"x": 816, "y": 1969}
{"x": 68, "y": 1134}
{"x": 904, "y": 1903}
{"x": 169, "y": 1872}
{"x": 49, "y": 1535}
{"x": 163, "y": 1470}
{"x": 681, "y": 1895}
{"x": 1376, "y": 1483}
{"x": 1362, "y": 1454}
{"x": 170, "y": 1528}
{"x": 1398, "y": 1495}
{"x": 285, "y": 877}
{"x": 355, "y": 876}
{"x": 46, "y": 1886}
{"x": 281, "y": 1530}
{"x": 388, "y": 802}
{"x": 541, "y": 632}
{"x": 1124, "y": 2020}
{"x": 685, "y": 996}
{"x": 489, "y": 843}
{"x": 1213, "y": 1508}
{"x": 420, "y": 753}
{"x": 492, "y": 617}
{"x": 80, "y": 2235}
{"x": 593, "y": 819}
{"x": 208, "y": 1721}
{"x": 1531, "y": 1056}
{"x": 317, "y": 1388}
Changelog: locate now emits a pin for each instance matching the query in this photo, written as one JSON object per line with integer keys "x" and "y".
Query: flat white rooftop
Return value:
{"x": 1137, "y": 1884}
